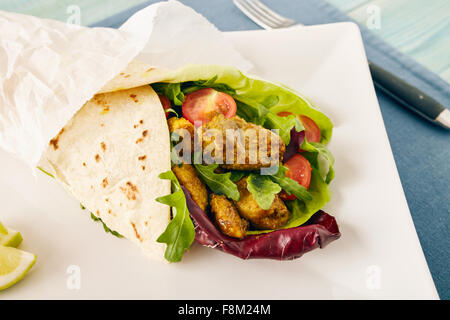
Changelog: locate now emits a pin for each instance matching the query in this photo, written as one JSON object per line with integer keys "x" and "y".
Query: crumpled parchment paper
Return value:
{"x": 49, "y": 69}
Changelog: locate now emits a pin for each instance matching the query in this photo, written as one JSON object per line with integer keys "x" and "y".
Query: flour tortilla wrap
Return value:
{"x": 109, "y": 157}
{"x": 251, "y": 95}
{"x": 110, "y": 154}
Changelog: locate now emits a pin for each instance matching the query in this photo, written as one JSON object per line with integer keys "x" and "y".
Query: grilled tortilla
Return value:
{"x": 109, "y": 157}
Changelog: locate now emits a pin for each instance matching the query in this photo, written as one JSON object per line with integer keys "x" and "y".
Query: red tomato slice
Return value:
{"x": 284, "y": 113}
{"x": 311, "y": 128}
{"x": 165, "y": 103}
{"x": 202, "y": 105}
{"x": 299, "y": 170}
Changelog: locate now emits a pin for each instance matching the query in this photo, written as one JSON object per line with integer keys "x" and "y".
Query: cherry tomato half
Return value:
{"x": 165, "y": 103}
{"x": 299, "y": 170}
{"x": 284, "y": 113}
{"x": 204, "y": 104}
{"x": 312, "y": 130}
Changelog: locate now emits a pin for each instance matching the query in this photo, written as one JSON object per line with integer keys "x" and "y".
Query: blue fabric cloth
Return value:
{"x": 421, "y": 149}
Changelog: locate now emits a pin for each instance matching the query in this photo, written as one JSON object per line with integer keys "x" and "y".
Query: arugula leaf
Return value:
{"x": 250, "y": 110}
{"x": 263, "y": 189}
{"x": 302, "y": 210}
{"x": 289, "y": 185}
{"x": 180, "y": 232}
{"x": 192, "y": 86}
{"x": 105, "y": 227}
{"x": 171, "y": 91}
{"x": 235, "y": 176}
{"x": 219, "y": 183}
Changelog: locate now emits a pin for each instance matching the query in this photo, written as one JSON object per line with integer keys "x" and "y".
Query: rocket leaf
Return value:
{"x": 219, "y": 183}
{"x": 263, "y": 189}
{"x": 180, "y": 232}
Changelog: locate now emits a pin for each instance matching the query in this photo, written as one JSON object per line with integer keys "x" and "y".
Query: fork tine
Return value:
{"x": 255, "y": 15}
{"x": 274, "y": 22}
{"x": 258, "y": 16}
{"x": 275, "y": 16}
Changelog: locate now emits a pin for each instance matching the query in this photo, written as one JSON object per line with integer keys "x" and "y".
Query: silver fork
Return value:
{"x": 263, "y": 15}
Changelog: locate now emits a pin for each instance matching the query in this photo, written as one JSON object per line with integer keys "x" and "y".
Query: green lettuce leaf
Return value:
{"x": 171, "y": 91}
{"x": 263, "y": 189}
{"x": 180, "y": 232}
{"x": 283, "y": 125}
{"x": 219, "y": 183}
{"x": 315, "y": 149}
{"x": 301, "y": 211}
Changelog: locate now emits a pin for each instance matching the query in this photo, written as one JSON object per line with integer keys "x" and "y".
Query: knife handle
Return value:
{"x": 409, "y": 96}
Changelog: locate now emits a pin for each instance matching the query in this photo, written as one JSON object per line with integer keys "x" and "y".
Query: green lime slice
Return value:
{"x": 14, "y": 265}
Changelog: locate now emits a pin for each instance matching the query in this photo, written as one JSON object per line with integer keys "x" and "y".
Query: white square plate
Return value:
{"x": 378, "y": 255}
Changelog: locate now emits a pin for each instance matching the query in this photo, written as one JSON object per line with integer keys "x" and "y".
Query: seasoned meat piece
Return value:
{"x": 240, "y": 145}
{"x": 273, "y": 218}
{"x": 227, "y": 217}
{"x": 188, "y": 177}
{"x": 180, "y": 123}
{"x": 182, "y": 127}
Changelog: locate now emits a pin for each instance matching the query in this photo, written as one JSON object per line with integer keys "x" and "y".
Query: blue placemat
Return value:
{"x": 421, "y": 150}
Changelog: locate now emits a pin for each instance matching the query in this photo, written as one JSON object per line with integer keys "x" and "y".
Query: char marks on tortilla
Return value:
{"x": 96, "y": 157}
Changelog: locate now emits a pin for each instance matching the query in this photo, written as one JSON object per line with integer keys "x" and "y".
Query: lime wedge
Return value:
{"x": 11, "y": 239}
{"x": 14, "y": 264}
{"x": 3, "y": 229}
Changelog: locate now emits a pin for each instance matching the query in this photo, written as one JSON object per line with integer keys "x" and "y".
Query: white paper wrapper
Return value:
{"x": 49, "y": 69}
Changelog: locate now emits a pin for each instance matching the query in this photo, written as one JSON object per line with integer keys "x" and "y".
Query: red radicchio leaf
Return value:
{"x": 294, "y": 144}
{"x": 283, "y": 244}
